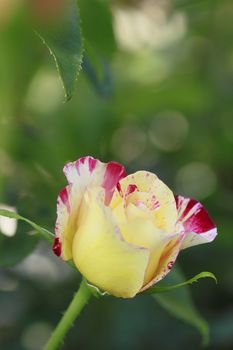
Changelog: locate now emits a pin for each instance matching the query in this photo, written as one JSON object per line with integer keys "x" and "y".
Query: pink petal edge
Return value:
{"x": 81, "y": 174}
{"x": 113, "y": 174}
{"x": 91, "y": 171}
{"x": 198, "y": 225}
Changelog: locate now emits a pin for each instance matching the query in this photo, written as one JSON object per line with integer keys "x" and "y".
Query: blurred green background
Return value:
{"x": 157, "y": 94}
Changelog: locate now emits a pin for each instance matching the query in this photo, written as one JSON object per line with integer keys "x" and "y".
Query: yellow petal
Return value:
{"x": 101, "y": 254}
{"x": 166, "y": 215}
{"x": 166, "y": 262}
{"x": 139, "y": 230}
{"x": 84, "y": 173}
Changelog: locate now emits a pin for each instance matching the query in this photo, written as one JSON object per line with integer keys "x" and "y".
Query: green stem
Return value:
{"x": 79, "y": 301}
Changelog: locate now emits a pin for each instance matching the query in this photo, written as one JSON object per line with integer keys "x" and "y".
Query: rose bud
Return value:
{"x": 122, "y": 232}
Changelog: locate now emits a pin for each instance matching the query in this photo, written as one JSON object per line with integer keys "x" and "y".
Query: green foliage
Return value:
{"x": 155, "y": 290}
{"x": 183, "y": 69}
{"x": 14, "y": 249}
{"x": 42, "y": 231}
{"x": 64, "y": 40}
{"x": 99, "y": 73}
{"x": 97, "y": 14}
{"x": 179, "y": 303}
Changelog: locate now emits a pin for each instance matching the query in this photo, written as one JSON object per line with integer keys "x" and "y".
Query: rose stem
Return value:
{"x": 79, "y": 301}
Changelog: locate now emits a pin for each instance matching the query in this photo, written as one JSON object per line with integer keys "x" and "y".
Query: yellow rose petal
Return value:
{"x": 101, "y": 254}
{"x": 166, "y": 262}
{"x": 166, "y": 214}
{"x": 140, "y": 231}
{"x": 86, "y": 172}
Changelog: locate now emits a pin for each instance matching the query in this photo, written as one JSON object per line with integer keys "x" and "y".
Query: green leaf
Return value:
{"x": 179, "y": 301}
{"x": 22, "y": 241}
{"x": 98, "y": 72}
{"x": 200, "y": 275}
{"x": 42, "y": 231}
{"x": 64, "y": 41}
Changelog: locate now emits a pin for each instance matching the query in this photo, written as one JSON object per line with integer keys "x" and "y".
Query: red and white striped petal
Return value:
{"x": 197, "y": 224}
{"x": 82, "y": 174}
{"x": 63, "y": 211}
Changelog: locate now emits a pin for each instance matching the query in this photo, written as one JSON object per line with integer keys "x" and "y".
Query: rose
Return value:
{"x": 124, "y": 233}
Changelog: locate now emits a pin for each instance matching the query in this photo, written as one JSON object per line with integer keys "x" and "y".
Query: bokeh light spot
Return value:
{"x": 148, "y": 25}
{"x": 196, "y": 180}
{"x": 8, "y": 226}
{"x": 45, "y": 92}
{"x": 128, "y": 143}
{"x": 168, "y": 131}
{"x": 36, "y": 335}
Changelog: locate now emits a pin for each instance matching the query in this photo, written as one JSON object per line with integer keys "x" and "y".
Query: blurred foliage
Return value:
{"x": 155, "y": 93}
{"x": 179, "y": 303}
{"x": 61, "y": 33}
